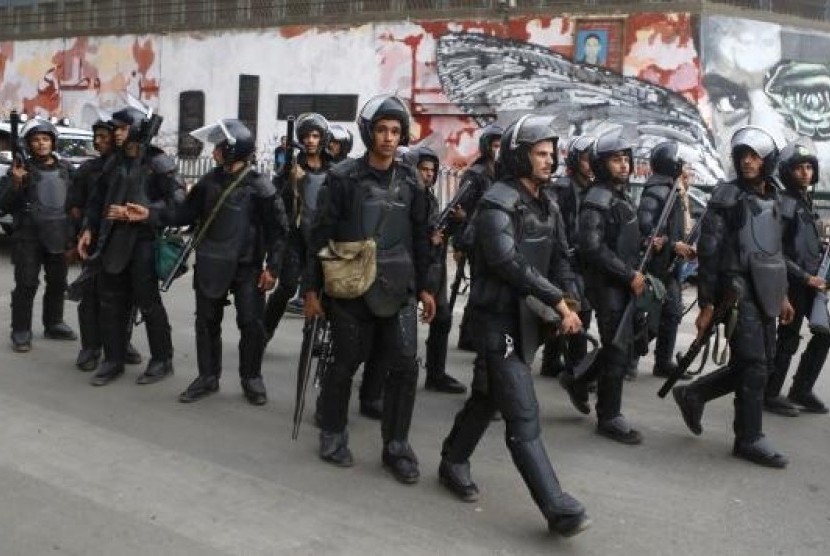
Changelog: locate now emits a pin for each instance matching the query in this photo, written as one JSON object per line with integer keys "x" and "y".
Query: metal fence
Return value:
{"x": 49, "y": 18}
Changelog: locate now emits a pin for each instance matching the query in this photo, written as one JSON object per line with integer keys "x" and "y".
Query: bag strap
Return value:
{"x": 200, "y": 234}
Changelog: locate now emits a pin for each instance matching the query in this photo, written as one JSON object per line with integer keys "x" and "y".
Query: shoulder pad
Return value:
{"x": 502, "y": 196}
{"x": 788, "y": 206}
{"x": 261, "y": 185}
{"x": 162, "y": 163}
{"x": 659, "y": 191}
{"x": 598, "y": 197}
{"x": 345, "y": 168}
{"x": 725, "y": 195}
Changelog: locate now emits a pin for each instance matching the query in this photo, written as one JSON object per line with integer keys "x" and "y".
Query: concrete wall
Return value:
{"x": 662, "y": 74}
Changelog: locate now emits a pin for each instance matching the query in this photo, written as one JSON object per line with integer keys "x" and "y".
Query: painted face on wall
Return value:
{"x": 592, "y": 49}
{"x": 737, "y": 53}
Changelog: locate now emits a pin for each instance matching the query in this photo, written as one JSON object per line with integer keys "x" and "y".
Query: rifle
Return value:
{"x": 456, "y": 283}
{"x": 819, "y": 319}
{"x": 19, "y": 156}
{"x": 623, "y": 335}
{"x": 443, "y": 221}
{"x": 316, "y": 344}
{"x": 180, "y": 266}
{"x": 689, "y": 239}
{"x": 720, "y": 315}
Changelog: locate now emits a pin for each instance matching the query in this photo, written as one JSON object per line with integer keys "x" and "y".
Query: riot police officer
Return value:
{"x": 477, "y": 178}
{"x": 84, "y": 183}
{"x": 299, "y": 187}
{"x": 238, "y": 252}
{"x": 437, "y": 379}
{"x": 520, "y": 247}
{"x": 740, "y": 249}
{"x": 798, "y": 170}
{"x": 667, "y": 166}
{"x": 124, "y": 248}
{"x": 569, "y": 192}
{"x": 35, "y": 193}
{"x": 374, "y": 197}
{"x": 340, "y": 143}
{"x": 609, "y": 243}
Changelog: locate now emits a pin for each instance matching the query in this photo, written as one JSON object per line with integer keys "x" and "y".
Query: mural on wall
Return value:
{"x": 506, "y": 77}
{"x": 767, "y": 75}
{"x": 643, "y": 70}
{"x": 58, "y": 77}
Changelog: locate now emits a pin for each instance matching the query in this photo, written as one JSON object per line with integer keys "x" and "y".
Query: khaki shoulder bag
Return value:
{"x": 350, "y": 267}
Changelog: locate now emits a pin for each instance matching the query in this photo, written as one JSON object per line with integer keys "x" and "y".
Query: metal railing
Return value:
{"x": 21, "y": 19}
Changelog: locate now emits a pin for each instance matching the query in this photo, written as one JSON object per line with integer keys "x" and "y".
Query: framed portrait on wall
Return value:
{"x": 598, "y": 42}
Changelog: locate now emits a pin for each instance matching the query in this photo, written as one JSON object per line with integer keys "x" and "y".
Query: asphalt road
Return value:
{"x": 125, "y": 469}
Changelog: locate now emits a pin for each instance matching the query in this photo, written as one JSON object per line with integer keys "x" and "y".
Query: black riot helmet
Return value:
{"x": 577, "y": 146}
{"x": 489, "y": 134}
{"x": 793, "y": 154}
{"x": 232, "y": 137}
{"x": 39, "y": 125}
{"x": 129, "y": 116}
{"x": 343, "y": 136}
{"x": 666, "y": 159}
{"x": 759, "y": 141}
{"x": 425, "y": 153}
{"x": 383, "y": 107}
{"x": 519, "y": 138}
{"x": 607, "y": 144}
{"x": 311, "y": 121}
{"x": 102, "y": 124}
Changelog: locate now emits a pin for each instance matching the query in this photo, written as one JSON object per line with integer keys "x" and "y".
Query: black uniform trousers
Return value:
{"x": 752, "y": 347}
{"x": 439, "y": 329}
{"x": 814, "y": 356}
{"x": 503, "y": 382}
{"x": 136, "y": 284}
{"x": 249, "y": 301}
{"x": 29, "y": 256}
{"x": 671, "y": 313}
{"x": 612, "y": 363}
{"x": 89, "y": 315}
{"x": 357, "y": 336}
{"x": 290, "y": 274}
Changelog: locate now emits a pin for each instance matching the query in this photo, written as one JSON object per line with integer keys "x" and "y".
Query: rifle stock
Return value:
{"x": 684, "y": 361}
{"x": 819, "y": 319}
{"x": 624, "y": 333}
{"x": 310, "y": 331}
{"x": 456, "y": 283}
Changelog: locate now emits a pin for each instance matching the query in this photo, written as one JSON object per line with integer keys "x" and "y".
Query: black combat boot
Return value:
{"x": 399, "y": 458}
{"x": 759, "y": 451}
{"x": 202, "y": 387}
{"x": 107, "y": 372}
{"x": 334, "y": 448}
{"x": 156, "y": 371}
{"x": 691, "y": 407}
{"x": 60, "y": 331}
{"x": 564, "y": 513}
{"x": 254, "y": 389}
{"x": 88, "y": 359}
{"x": 456, "y": 477}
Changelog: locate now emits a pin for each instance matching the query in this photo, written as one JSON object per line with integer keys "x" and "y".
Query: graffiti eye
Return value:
{"x": 800, "y": 92}
{"x": 731, "y": 103}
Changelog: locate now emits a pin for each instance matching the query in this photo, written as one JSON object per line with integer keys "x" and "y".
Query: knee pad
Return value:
{"x": 521, "y": 430}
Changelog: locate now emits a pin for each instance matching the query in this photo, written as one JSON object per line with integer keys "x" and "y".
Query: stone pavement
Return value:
{"x": 125, "y": 469}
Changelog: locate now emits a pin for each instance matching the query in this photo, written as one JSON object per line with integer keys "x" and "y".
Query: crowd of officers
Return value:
{"x": 546, "y": 257}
